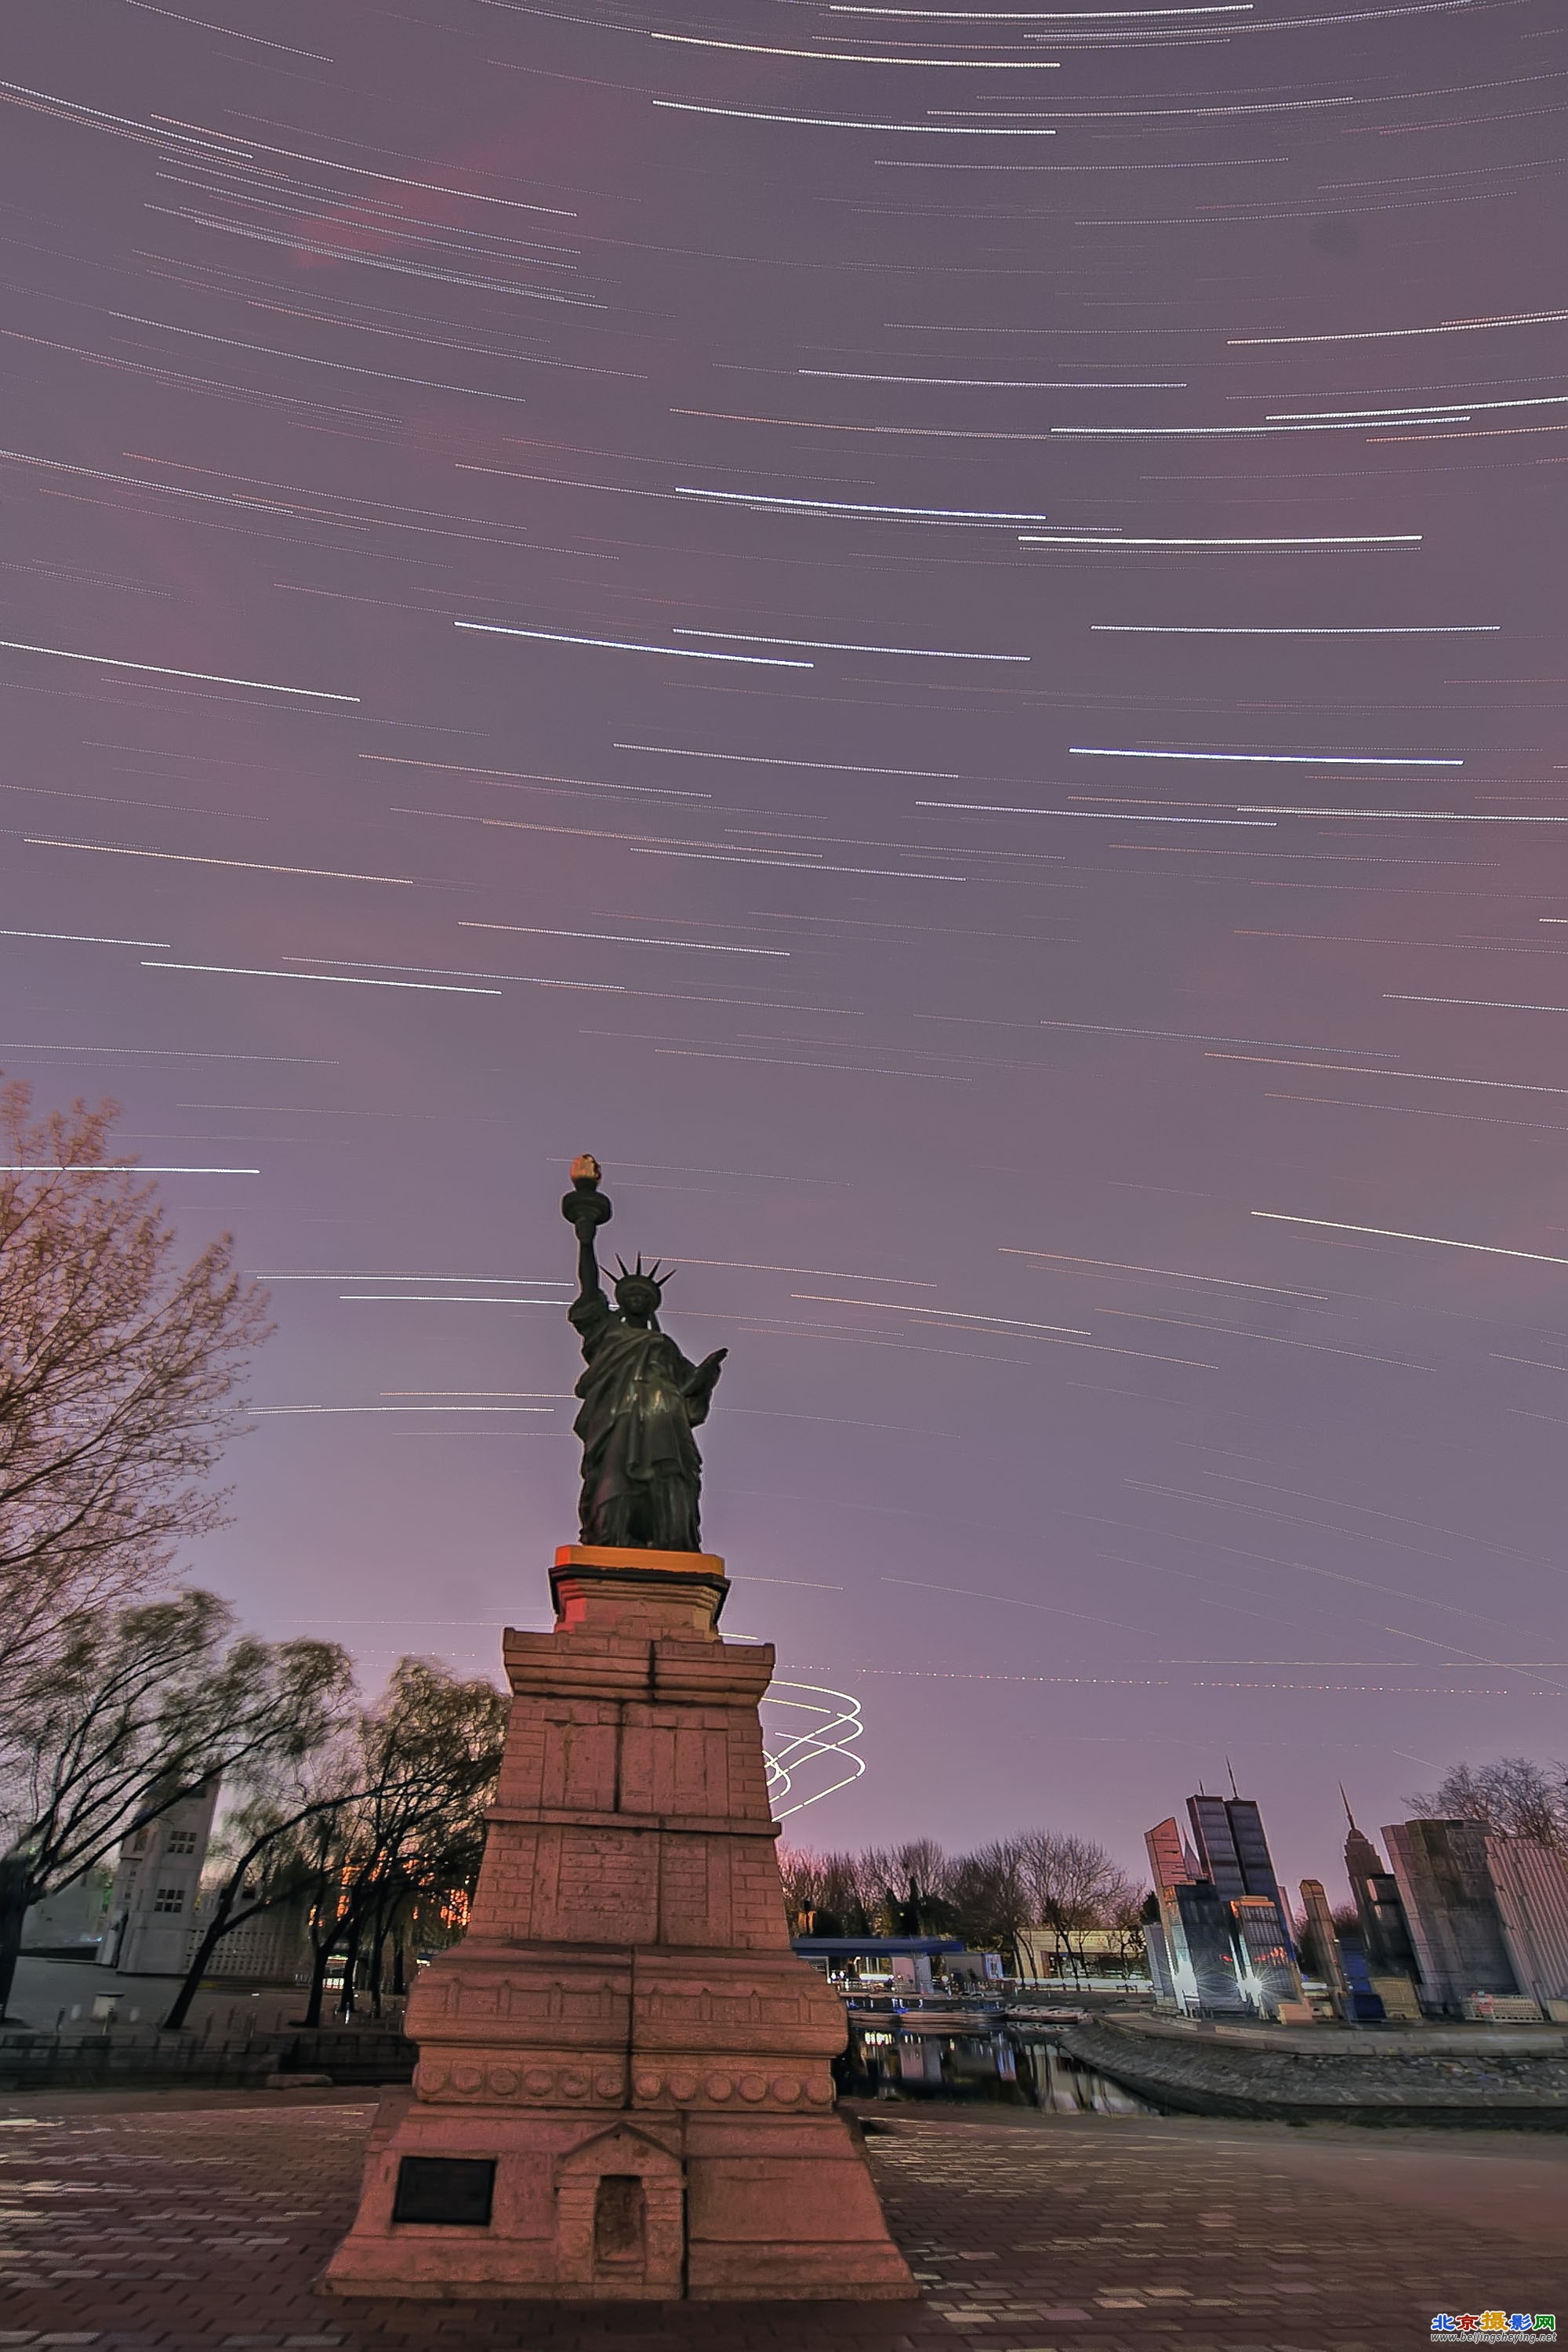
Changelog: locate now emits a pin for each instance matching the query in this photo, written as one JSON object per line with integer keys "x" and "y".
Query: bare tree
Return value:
{"x": 1075, "y": 1887}
{"x": 135, "y": 1708}
{"x": 905, "y": 1888}
{"x": 1514, "y": 1795}
{"x": 1039, "y": 1879}
{"x": 839, "y": 1894}
{"x": 989, "y": 1895}
{"x": 119, "y": 1376}
{"x": 877, "y": 1875}
{"x": 847, "y": 1895}
{"x": 920, "y": 1864}
{"x": 800, "y": 1869}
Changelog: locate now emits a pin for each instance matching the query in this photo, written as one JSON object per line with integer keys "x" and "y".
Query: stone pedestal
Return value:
{"x": 624, "y": 2087}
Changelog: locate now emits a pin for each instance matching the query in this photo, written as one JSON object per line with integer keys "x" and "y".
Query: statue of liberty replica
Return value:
{"x": 625, "y": 2089}
{"x": 642, "y": 1474}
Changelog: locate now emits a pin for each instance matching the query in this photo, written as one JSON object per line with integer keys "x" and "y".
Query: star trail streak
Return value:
{"x": 1025, "y": 485}
{"x": 1385, "y": 1232}
{"x": 621, "y": 646}
{"x": 247, "y": 971}
{"x": 157, "y": 669}
{"x": 183, "y": 858}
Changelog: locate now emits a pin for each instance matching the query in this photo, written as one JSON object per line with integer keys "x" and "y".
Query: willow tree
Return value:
{"x": 140, "y": 1707}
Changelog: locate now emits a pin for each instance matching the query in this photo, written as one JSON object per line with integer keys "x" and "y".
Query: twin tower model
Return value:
{"x": 624, "y": 2088}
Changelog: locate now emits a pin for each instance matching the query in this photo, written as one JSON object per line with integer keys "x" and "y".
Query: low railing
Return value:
{"x": 357, "y": 2054}
{"x": 128, "y": 2060}
{"x": 103, "y": 2061}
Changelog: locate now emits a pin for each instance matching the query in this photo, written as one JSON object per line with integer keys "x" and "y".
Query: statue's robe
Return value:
{"x": 641, "y": 1399}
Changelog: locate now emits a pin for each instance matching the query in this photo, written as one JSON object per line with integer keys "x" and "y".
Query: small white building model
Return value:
{"x": 153, "y": 1907}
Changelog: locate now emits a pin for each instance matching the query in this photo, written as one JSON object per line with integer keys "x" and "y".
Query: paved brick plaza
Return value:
{"x": 192, "y": 2223}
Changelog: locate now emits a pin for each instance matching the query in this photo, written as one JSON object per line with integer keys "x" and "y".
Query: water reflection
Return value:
{"x": 911, "y": 2056}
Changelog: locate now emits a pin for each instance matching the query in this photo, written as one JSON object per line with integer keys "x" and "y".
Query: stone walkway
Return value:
{"x": 193, "y": 2223}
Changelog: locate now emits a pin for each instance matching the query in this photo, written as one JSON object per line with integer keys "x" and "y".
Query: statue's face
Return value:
{"x": 637, "y": 1298}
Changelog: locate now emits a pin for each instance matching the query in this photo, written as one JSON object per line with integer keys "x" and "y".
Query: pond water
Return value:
{"x": 885, "y": 2059}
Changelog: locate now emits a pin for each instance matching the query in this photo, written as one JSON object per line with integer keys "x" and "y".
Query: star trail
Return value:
{"x": 595, "y": 426}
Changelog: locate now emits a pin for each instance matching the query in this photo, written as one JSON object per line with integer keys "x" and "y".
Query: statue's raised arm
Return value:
{"x": 587, "y": 1209}
{"x": 641, "y": 1398}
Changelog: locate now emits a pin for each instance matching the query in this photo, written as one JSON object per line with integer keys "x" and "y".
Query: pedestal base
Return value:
{"x": 654, "y": 2208}
{"x": 625, "y": 2089}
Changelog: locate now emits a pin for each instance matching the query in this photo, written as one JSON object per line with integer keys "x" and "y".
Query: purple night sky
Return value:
{"x": 955, "y": 480}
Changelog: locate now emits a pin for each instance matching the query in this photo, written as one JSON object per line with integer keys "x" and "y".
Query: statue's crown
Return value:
{"x": 640, "y": 1273}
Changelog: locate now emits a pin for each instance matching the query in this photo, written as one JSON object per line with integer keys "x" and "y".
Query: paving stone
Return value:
{"x": 254, "y": 2200}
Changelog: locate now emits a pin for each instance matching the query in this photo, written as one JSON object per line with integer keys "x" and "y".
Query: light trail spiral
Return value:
{"x": 826, "y": 1741}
